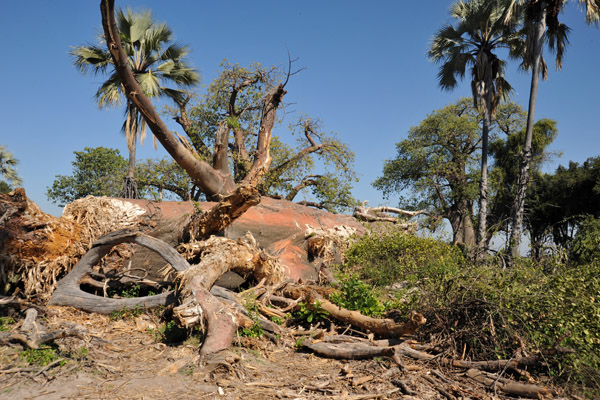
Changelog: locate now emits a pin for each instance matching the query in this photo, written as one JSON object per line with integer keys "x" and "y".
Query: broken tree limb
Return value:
{"x": 349, "y": 351}
{"x": 33, "y": 336}
{"x": 69, "y": 293}
{"x": 382, "y": 327}
{"x": 509, "y": 387}
{"x": 203, "y": 224}
{"x": 375, "y": 214}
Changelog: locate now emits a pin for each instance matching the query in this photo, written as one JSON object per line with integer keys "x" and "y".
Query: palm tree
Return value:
{"x": 8, "y": 172}
{"x": 541, "y": 25}
{"x": 479, "y": 32}
{"x": 154, "y": 63}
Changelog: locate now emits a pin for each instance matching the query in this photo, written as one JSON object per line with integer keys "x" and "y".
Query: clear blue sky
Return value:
{"x": 367, "y": 76}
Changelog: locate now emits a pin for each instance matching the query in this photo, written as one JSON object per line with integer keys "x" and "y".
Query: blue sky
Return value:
{"x": 367, "y": 76}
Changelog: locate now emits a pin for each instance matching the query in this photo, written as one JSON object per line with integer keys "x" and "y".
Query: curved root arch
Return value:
{"x": 69, "y": 293}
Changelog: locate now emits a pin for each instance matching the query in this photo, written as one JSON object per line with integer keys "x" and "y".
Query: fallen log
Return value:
{"x": 383, "y": 327}
{"x": 509, "y": 387}
{"x": 349, "y": 351}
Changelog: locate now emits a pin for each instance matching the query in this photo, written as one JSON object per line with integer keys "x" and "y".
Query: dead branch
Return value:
{"x": 203, "y": 224}
{"x": 382, "y": 327}
{"x": 375, "y": 214}
{"x": 349, "y": 351}
{"x": 509, "y": 387}
{"x": 33, "y": 335}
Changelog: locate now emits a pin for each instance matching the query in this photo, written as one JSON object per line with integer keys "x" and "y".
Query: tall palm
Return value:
{"x": 8, "y": 171}
{"x": 154, "y": 61}
{"x": 480, "y": 31}
{"x": 541, "y": 25}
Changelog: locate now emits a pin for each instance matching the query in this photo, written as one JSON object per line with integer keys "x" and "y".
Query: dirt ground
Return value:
{"x": 122, "y": 360}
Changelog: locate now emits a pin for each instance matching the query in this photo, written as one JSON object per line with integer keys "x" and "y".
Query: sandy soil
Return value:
{"x": 124, "y": 361}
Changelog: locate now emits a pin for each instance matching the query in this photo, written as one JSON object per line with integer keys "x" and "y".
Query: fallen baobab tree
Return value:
{"x": 197, "y": 304}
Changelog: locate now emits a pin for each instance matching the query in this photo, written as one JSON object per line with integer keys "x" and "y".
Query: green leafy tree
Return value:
{"x": 541, "y": 26}
{"x": 154, "y": 61}
{"x": 8, "y": 171}
{"x": 225, "y": 118}
{"x": 559, "y": 203}
{"x": 164, "y": 179}
{"x": 437, "y": 166}
{"x": 506, "y": 152}
{"x": 480, "y": 31}
{"x": 96, "y": 171}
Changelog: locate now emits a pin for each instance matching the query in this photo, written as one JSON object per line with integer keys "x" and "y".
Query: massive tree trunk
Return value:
{"x": 463, "y": 231}
{"x": 523, "y": 179}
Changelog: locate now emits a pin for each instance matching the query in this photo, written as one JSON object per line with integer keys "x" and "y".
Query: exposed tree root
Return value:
{"x": 33, "y": 335}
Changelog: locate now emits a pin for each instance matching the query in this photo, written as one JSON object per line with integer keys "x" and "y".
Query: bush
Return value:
{"x": 485, "y": 311}
{"x": 586, "y": 245}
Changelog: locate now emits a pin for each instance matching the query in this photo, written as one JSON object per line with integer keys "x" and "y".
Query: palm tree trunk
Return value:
{"x": 483, "y": 185}
{"x": 129, "y": 189}
{"x": 523, "y": 179}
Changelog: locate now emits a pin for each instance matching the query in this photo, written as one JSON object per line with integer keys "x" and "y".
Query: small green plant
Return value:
{"x": 40, "y": 357}
{"x": 126, "y": 313}
{"x": 251, "y": 306}
{"x": 5, "y": 323}
{"x": 355, "y": 294}
{"x": 311, "y": 312}
{"x": 80, "y": 354}
{"x": 169, "y": 332}
{"x": 300, "y": 342}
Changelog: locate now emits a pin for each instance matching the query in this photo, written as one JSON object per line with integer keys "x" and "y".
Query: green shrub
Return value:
{"x": 311, "y": 313}
{"x": 355, "y": 294}
{"x": 251, "y": 305}
{"x": 41, "y": 357}
{"x": 484, "y": 310}
{"x": 586, "y": 245}
{"x": 386, "y": 258}
{"x": 5, "y": 323}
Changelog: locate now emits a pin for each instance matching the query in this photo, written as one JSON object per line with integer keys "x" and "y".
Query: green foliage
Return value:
{"x": 96, "y": 171}
{"x": 100, "y": 171}
{"x": 154, "y": 61}
{"x": 585, "y": 248}
{"x": 355, "y": 294}
{"x": 383, "y": 258}
{"x": 5, "y": 323}
{"x": 294, "y": 169}
{"x": 40, "y": 357}
{"x": 506, "y": 152}
{"x": 8, "y": 171}
{"x": 487, "y": 311}
{"x": 436, "y": 166}
{"x": 311, "y": 312}
{"x": 251, "y": 306}
{"x": 127, "y": 313}
{"x": 318, "y": 165}
{"x": 560, "y": 202}
{"x": 164, "y": 179}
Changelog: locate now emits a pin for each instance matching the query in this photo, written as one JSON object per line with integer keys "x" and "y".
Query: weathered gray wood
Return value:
{"x": 69, "y": 293}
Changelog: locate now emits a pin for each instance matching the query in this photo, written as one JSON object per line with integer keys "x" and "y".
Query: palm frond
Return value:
{"x": 592, "y": 11}
{"x": 110, "y": 93}
{"x": 558, "y": 40}
{"x": 90, "y": 58}
{"x": 149, "y": 83}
